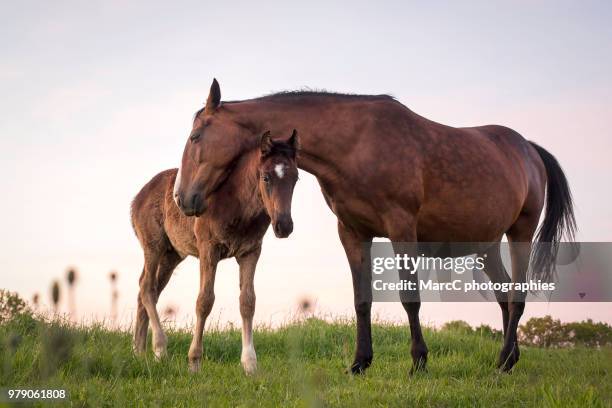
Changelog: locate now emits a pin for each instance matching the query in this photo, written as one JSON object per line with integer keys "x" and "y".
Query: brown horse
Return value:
{"x": 388, "y": 172}
{"x": 258, "y": 190}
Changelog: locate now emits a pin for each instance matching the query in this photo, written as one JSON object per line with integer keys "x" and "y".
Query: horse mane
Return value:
{"x": 307, "y": 93}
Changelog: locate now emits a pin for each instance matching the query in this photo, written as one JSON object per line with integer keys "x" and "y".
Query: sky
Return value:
{"x": 98, "y": 97}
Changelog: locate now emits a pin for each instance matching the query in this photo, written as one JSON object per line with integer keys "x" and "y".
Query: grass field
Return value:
{"x": 301, "y": 364}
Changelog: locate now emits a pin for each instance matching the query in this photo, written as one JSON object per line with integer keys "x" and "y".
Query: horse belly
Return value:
{"x": 241, "y": 236}
{"x": 484, "y": 219}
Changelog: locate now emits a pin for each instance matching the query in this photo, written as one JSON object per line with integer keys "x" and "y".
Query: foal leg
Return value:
{"x": 148, "y": 297}
{"x": 357, "y": 248}
{"x": 167, "y": 264}
{"x": 206, "y": 298}
{"x": 494, "y": 268}
{"x": 142, "y": 324}
{"x": 247, "y": 265}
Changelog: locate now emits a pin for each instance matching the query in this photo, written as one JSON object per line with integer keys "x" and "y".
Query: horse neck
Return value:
{"x": 320, "y": 135}
{"x": 242, "y": 183}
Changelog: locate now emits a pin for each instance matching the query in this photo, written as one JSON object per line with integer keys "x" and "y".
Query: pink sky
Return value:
{"x": 98, "y": 98}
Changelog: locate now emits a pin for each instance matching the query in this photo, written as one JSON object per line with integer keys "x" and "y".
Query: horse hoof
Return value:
{"x": 138, "y": 350}
{"x": 194, "y": 366}
{"x": 159, "y": 346}
{"x": 417, "y": 369}
{"x": 505, "y": 367}
{"x": 249, "y": 361}
{"x": 359, "y": 367}
{"x": 508, "y": 358}
{"x": 159, "y": 354}
{"x": 249, "y": 367}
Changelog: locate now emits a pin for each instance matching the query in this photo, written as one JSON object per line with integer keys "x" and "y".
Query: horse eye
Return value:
{"x": 194, "y": 137}
{"x": 266, "y": 178}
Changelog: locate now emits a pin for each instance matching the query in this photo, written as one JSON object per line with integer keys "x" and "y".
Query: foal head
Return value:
{"x": 277, "y": 177}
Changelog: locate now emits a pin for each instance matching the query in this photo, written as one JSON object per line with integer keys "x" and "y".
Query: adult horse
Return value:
{"x": 387, "y": 172}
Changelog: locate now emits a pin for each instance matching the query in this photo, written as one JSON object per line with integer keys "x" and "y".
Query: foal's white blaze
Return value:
{"x": 177, "y": 183}
{"x": 279, "y": 169}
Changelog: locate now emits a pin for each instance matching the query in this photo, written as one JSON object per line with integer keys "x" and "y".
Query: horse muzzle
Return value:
{"x": 283, "y": 226}
{"x": 191, "y": 204}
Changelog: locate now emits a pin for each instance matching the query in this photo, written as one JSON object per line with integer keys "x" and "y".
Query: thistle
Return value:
{"x": 71, "y": 278}
{"x": 35, "y": 300}
{"x": 114, "y": 295}
{"x": 55, "y": 295}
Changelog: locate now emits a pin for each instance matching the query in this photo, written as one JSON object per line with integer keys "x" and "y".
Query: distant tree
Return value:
{"x": 542, "y": 331}
{"x": 11, "y": 305}
{"x": 548, "y": 332}
{"x": 488, "y": 331}
{"x": 459, "y": 326}
{"x": 587, "y": 333}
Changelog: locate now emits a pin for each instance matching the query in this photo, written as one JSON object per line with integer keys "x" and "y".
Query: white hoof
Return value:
{"x": 160, "y": 353}
{"x": 249, "y": 361}
{"x": 159, "y": 347}
{"x": 194, "y": 365}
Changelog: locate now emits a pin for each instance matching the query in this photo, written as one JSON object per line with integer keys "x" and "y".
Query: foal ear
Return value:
{"x": 266, "y": 144}
{"x": 293, "y": 141}
{"x": 214, "y": 97}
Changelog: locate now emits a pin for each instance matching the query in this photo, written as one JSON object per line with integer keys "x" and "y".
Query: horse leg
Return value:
{"x": 411, "y": 301}
{"x": 519, "y": 238}
{"x": 204, "y": 304}
{"x": 142, "y": 324}
{"x": 167, "y": 264}
{"x": 247, "y": 265}
{"x": 357, "y": 248}
{"x": 494, "y": 268}
{"x": 148, "y": 297}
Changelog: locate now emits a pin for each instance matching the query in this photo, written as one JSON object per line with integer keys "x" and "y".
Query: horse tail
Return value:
{"x": 559, "y": 220}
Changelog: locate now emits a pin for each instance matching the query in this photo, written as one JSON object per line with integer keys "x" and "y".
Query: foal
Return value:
{"x": 258, "y": 191}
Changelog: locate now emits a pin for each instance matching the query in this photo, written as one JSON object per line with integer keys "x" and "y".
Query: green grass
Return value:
{"x": 302, "y": 364}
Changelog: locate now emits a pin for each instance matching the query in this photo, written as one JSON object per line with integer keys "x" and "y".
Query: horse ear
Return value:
{"x": 266, "y": 143}
{"x": 293, "y": 141}
{"x": 214, "y": 97}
